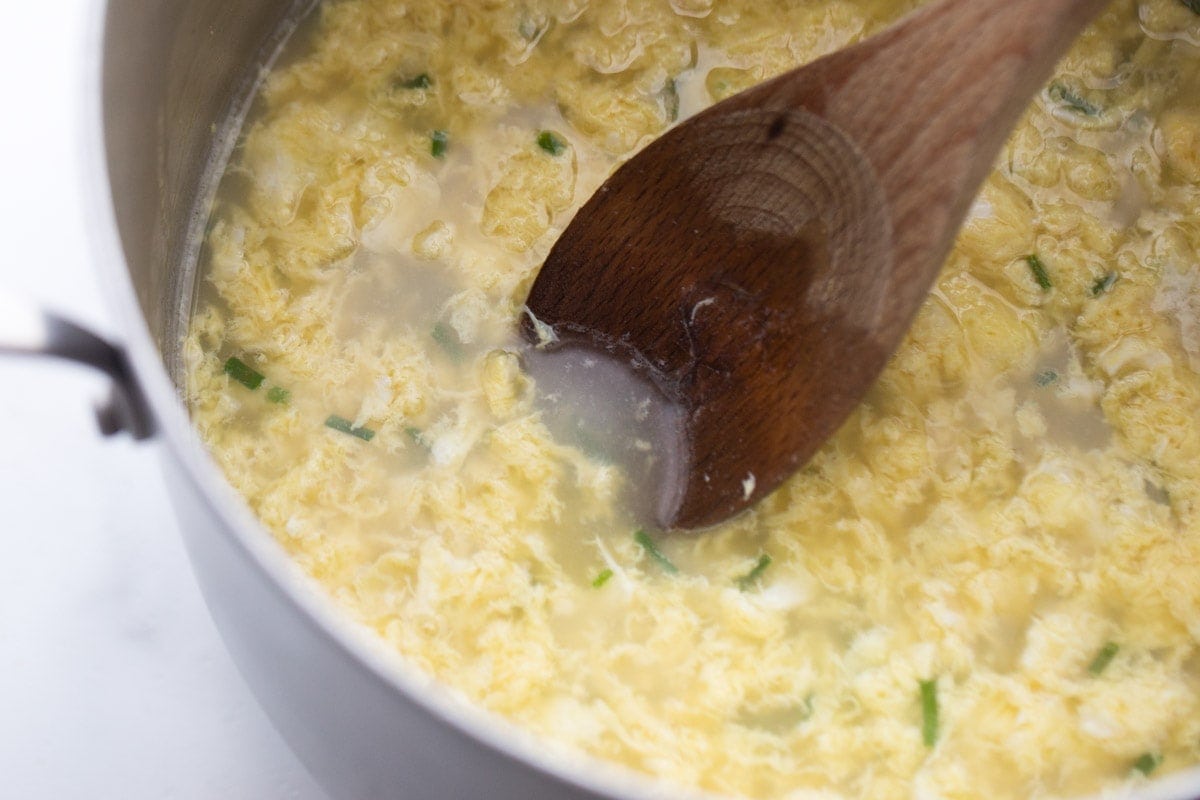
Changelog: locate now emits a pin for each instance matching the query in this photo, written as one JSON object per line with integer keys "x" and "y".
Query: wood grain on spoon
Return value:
{"x": 762, "y": 260}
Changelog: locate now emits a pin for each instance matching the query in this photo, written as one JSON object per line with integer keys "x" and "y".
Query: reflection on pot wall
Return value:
{"x": 172, "y": 73}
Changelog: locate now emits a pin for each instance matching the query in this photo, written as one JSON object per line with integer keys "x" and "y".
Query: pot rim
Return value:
{"x": 247, "y": 534}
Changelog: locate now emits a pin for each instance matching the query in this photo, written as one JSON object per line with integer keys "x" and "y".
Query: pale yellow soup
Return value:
{"x": 987, "y": 584}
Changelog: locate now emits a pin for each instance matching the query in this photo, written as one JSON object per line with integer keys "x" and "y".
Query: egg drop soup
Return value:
{"x": 986, "y": 585}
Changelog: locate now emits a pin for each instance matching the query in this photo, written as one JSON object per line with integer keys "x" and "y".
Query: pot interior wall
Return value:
{"x": 173, "y": 73}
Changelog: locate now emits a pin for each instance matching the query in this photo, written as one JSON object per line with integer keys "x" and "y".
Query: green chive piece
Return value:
{"x": 1103, "y": 658}
{"x": 1147, "y": 763}
{"x": 438, "y": 142}
{"x": 1102, "y": 285}
{"x": 1194, "y": 5}
{"x": 243, "y": 374}
{"x": 277, "y": 394}
{"x": 670, "y": 98}
{"x": 422, "y": 81}
{"x": 1039, "y": 272}
{"x": 748, "y": 580}
{"x": 444, "y": 335}
{"x": 1045, "y": 377}
{"x": 602, "y": 578}
{"x": 346, "y": 426}
{"x": 415, "y": 435}
{"x": 1072, "y": 100}
{"x": 807, "y": 711}
{"x": 643, "y": 538}
{"x": 929, "y": 712}
{"x": 549, "y": 141}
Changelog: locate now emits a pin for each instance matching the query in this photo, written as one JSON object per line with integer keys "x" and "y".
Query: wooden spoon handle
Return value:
{"x": 959, "y": 73}
{"x": 965, "y": 67}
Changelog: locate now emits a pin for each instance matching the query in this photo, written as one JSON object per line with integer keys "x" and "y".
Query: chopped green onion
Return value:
{"x": 346, "y": 426}
{"x": 929, "y": 712}
{"x": 652, "y": 550}
{"x": 1147, "y": 763}
{"x": 1039, "y": 271}
{"x": 549, "y": 141}
{"x": 243, "y": 374}
{"x": 670, "y": 98}
{"x": 1071, "y": 100}
{"x": 748, "y": 580}
{"x": 444, "y": 335}
{"x": 277, "y": 394}
{"x": 1045, "y": 377}
{"x": 422, "y": 81}
{"x": 808, "y": 707}
{"x": 1103, "y": 658}
{"x": 415, "y": 435}
{"x": 602, "y": 578}
{"x": 1102, "y": 285}
{"x": 1194, "y": 5}
{"x": 438, "y": 142}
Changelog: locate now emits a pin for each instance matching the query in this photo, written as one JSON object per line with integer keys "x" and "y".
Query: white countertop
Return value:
{"x": 113, "y": 681}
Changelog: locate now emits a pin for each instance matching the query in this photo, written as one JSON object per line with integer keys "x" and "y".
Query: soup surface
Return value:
{"x": 987, "y": 584}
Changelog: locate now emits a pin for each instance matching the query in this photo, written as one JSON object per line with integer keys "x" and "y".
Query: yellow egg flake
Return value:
{"x": 970, "y": 529}
{"x": 1000, "y": 227}
{"x": 519, "y": 208}
{"x": 504, "y": 383}
{"x": 692, "y": 8}
{"x": 724, "y": 82}
{"x": 1030, "y": 421}
{"x": 1089, "y": 174}
{"x": 1179, "y": 132}
{"x": 995, "y": 332}
{"x": 434, "y": 241}
{"x": 1170, "y": 18}
{"x": 615, "y": 119}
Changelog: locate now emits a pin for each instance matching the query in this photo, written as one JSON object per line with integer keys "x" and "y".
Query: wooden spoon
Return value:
{"x": 762, "y": 260}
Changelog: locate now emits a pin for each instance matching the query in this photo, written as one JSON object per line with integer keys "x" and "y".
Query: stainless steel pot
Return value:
{"x": 167, "y": 75}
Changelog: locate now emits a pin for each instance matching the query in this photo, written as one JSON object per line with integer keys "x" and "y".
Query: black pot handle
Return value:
{"x": 28, "y": 330}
